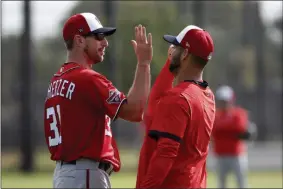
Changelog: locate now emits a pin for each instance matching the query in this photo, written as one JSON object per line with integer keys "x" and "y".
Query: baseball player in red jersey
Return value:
{"x": 231, "y": 129}
{"x": 179, "y": 119}
{"x": 81, "y": 104}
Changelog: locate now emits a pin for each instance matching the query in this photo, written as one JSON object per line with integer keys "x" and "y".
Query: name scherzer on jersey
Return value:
{"x": 79, "y": 107}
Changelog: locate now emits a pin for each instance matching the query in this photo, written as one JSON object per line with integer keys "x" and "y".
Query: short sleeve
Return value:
{"x": 171, "y": 118}
{"x": 110, "y": 97}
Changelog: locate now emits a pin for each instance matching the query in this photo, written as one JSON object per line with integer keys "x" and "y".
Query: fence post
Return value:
{"x": 199, "y": 19}
{"x": 110, "y": 14}
{"x": 27, "y": 111}
{"x": 258, "y": 42}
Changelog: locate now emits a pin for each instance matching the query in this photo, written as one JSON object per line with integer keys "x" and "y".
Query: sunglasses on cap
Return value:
{"x": 97, "y": 36}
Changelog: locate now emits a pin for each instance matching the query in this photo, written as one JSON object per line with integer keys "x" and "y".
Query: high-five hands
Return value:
{"x": 142, "y": 45}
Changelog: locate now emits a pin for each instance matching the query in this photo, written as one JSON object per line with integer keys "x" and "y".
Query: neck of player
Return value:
{"x": 189, "y": 74}
{"x": 78, "y": 58}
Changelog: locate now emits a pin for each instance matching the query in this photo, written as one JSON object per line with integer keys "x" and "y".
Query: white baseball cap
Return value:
{"x": 197, "y": 40}
{"x": 84, "y": 24}
{"x": 224, "y": 93}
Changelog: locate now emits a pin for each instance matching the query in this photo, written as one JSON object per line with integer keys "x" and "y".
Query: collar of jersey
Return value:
{"x": 71, "y": 64}
{"x": 203, "y": 83}
{"x": 67, "y": 67}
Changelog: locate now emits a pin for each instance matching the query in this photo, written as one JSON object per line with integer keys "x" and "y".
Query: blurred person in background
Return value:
{"x": 231, "y": 129}
{"x": 81, "y": 103}
{"x": 179, "y": 117}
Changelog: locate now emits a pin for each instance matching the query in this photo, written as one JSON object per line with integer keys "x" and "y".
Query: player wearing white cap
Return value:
{"x": 81, "y": 104}
{"x": 231, "y": 129}
{"x": 179, "y": 119}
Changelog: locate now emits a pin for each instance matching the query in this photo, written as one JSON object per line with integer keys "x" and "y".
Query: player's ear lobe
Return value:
{"x": 185, "y": 54}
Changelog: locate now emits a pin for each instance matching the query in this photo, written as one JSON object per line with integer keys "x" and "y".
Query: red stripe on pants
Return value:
{"x": 87, "y": 179}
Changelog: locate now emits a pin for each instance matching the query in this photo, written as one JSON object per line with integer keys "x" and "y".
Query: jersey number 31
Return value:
{"x": 51, "y": 112}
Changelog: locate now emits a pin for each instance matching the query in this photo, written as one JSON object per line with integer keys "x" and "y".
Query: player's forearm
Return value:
{"x": 245, "y": 135}
{"x": 160, "y": 163}
{"x": 227, "y": 135}
{"x": 138, "y": 94}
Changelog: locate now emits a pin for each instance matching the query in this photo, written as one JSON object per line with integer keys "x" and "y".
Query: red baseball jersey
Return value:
{"x": 227, "y": 127}
{"x": 79, "y": 107}
{"x": 185, "y": 113}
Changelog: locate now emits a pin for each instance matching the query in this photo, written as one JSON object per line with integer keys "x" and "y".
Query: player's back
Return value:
{"x": 71, "y": 117}
{"x": 202, "y": 115}
{"x": 191, "y": 159}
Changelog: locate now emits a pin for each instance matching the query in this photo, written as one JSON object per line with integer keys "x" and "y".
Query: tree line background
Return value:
{"x": 248, "y": 57}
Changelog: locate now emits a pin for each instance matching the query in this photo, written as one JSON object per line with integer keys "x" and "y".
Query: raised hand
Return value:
{"x": 142, "y": 45}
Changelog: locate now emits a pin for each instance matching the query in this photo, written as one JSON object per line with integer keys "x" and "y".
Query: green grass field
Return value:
{"x": 42, "y": 178}
{"x": 127, "y": 180}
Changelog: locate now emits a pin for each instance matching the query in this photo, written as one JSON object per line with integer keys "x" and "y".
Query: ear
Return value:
{"x": 185, "y": 54}
{"x": 79, "y": 40}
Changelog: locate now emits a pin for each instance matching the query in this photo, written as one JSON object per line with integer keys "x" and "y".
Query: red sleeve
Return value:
{"x": 165, "y": 154}
{"x": 162, "y": 84}
{"x": 171, "y": 118}
{"x": 110, "y": 97}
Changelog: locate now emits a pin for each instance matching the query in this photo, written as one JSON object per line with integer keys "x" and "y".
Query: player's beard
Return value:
{"x": 175, "y": 63}
{"x": 89, "y": 58}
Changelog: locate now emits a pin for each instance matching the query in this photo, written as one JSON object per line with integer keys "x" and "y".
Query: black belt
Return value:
{"x": 105, "y": 166}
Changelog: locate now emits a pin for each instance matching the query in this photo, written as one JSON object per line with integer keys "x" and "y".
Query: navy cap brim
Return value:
{"x": 105, "y": 30}
{"x": 171, "y": 39}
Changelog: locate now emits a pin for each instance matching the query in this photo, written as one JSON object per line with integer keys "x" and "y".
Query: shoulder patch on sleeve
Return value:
{"x": 114, "y": 97}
